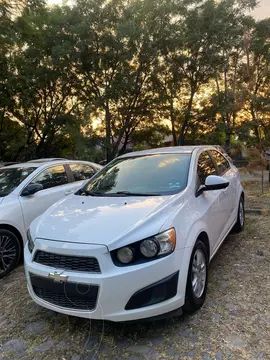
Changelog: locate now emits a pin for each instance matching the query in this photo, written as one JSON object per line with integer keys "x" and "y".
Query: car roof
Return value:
{"x": 37, "y": 164}
{"x": 169, "y": 150}
{"x": 45, "y": 160}
{"x": 21, "y": 165}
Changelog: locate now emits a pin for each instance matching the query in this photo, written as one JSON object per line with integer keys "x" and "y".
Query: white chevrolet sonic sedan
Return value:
{"x": 135, "y": 242}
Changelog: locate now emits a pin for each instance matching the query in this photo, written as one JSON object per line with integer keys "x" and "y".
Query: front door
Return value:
{"x": 55, "y": 186}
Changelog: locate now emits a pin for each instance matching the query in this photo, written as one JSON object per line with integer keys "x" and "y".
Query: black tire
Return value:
{"x": 193, "y": 302}
{"x": 240, "y": 223}
{"x": 10, "y": 252}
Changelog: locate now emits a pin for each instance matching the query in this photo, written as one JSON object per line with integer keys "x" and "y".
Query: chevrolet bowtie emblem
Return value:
{"x": 58, "y": 277}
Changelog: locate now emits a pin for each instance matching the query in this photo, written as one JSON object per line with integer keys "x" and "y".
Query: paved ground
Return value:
{"x": 234, "y": 323}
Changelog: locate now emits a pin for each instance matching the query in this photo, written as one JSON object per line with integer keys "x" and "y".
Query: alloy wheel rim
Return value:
{"x": 198, "y": 273}
{"x": 241, "y": 214}
{"x": 7, "y": 253}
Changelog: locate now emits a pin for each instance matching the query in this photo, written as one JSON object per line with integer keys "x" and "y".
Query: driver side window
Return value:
{"x": 205, "y": 168}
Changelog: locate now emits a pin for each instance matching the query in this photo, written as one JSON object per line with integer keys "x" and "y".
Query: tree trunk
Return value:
{"x": 185, "y": 125}
{"x": 255, "y": 124}
{"x": 2, "y": 150}
{"x": 227, "y": 133}
{"x": 127, "y": 124}
{"x": 227, "y": 141}
{"x": 173, "y": 119}
{"x": 108, "y": 133}
{"x": 40, "y": 153}
{"x": 16, "y": 155}
{"x": 124, "y": 147}
{"x": 175, "y": 142}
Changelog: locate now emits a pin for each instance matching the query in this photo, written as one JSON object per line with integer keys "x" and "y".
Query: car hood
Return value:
{"x": 1, "y": 199}
{"x": 110, "y": 221}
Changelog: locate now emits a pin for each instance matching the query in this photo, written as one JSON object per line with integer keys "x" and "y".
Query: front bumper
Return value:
{"x": 116, "y": 285}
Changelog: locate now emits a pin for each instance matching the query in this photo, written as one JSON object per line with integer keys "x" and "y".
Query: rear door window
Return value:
{"x": 81, "y": 171}
{"x": 221, "y": 162}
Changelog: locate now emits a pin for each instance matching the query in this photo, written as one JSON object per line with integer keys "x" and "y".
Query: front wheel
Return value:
{"x": 10, "y": 251}
{"x": 197, "y": 279}
{"x": 240, "y": 223}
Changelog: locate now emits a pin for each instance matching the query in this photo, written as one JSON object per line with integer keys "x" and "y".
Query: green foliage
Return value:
{"x": 151, "y": 137}
{"x": 42, "y": 95}
{"x": 131, "y": 65}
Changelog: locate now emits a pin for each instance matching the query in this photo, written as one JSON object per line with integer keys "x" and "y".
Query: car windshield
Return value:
{"x": 162, "y": 174}
{"x": 10, "y": 178}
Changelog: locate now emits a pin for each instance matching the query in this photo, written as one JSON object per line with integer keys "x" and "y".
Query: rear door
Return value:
{"x": 56, "y": 185}
{"x": 225, "y": 170}
{"x": 214, "y": 211}
{"x": 81, "y": 172}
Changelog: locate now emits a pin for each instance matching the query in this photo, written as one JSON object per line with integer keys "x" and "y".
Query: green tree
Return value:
{"x": 230, "y": 28}
{"x": 12, "y": 135}
{"x": 206, "y": 42}
{"x": 117, "y": 48}
{"x": 44, "y": 88}
{"x": 256, "y": 76}
{"x": 132, "y": 65}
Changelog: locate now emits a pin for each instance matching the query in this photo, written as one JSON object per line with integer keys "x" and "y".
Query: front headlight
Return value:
{"x": 125, "y": 255}
{"x": 146, "y": 250}
{"x": 149, "y": 248}
{"x": 31, "y": 243}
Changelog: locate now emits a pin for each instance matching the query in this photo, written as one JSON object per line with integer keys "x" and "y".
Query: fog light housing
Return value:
{"x": 158, "y": 292}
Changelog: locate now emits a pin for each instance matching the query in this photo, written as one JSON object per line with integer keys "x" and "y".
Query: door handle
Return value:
{"x": 68, "y": 192}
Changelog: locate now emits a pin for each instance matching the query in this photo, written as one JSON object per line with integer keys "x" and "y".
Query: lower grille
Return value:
{"x": 67, "y": 262}
{"x": 67, "y": 295}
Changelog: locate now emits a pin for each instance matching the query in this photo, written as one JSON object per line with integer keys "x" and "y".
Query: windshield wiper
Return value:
{"x": 128, "y": 193}
{"x": 89, "y": 193}
{"x": 118, "y": 193}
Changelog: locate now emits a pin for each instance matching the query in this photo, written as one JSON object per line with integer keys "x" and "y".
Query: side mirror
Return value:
{"x": 213, "y": 182}
{"x": 31, "y": 189}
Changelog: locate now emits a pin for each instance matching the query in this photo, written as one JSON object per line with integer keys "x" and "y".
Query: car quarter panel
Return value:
{"x": 189, "y": 222}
